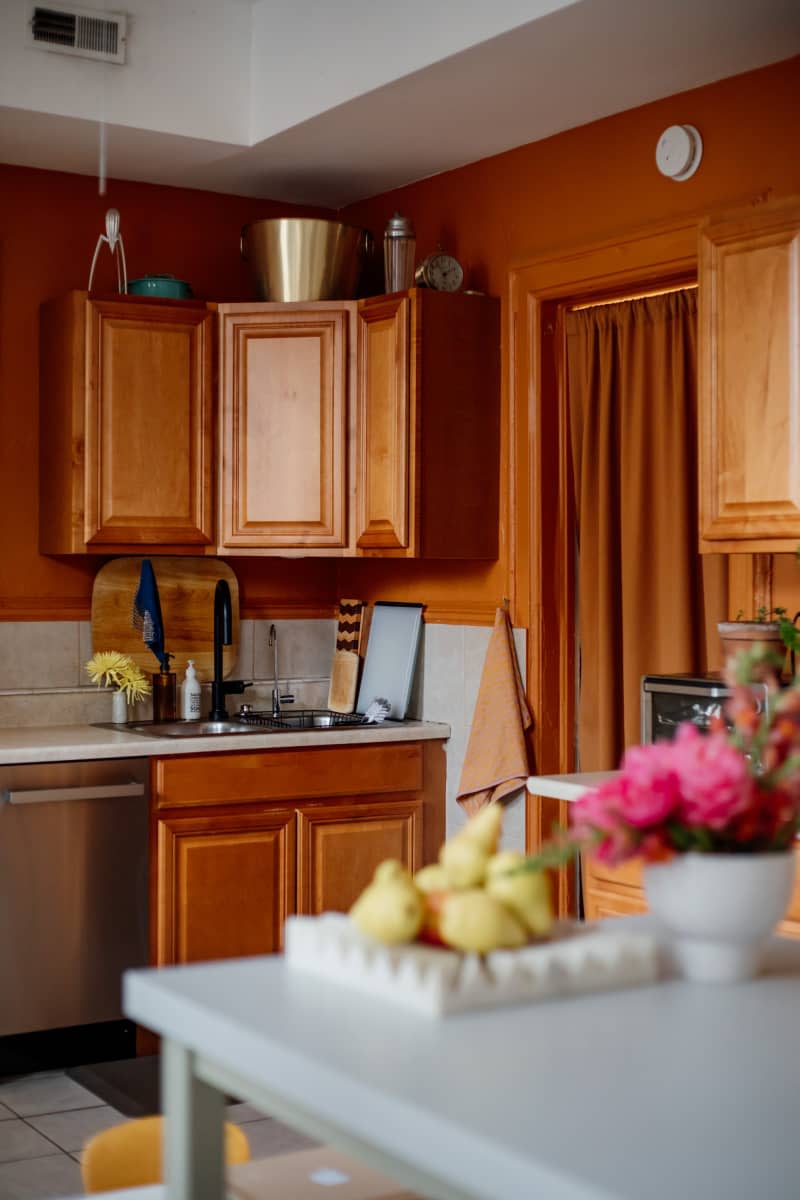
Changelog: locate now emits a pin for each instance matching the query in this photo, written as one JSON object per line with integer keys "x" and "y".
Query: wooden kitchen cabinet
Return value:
{"x": 239, "y": 841}
{"x": 749, "y": 381}
{"x": 126, "y": 412}
{"x": 368, "y": 428}
{"x": 284, "y": 375}
{"x": 339, "y": 847}
{"x": 619, "y": 892}
{"x": 225, "y": 883}
{"x": 427, "y": 426}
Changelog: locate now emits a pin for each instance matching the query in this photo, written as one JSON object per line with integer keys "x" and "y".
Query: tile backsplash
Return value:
{"x": 43, "y": 682}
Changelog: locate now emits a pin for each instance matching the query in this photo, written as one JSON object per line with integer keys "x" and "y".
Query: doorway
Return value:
{"x": 543, "y": 569}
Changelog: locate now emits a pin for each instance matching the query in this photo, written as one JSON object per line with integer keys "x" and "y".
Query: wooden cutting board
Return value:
{"x": 186, "y": 591}
{"x": 346, "y": 660}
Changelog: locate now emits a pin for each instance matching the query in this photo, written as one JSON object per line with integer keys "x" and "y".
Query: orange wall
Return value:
{"x": 580, "y": 187}
{"x": 49, "y": 223}
{"x": 570, "y": 191}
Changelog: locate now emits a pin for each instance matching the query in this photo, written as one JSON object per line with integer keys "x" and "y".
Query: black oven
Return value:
{"x": 667, "y": 700}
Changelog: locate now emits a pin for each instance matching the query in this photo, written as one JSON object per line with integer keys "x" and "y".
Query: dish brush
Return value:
{"x": 377, "y": 711}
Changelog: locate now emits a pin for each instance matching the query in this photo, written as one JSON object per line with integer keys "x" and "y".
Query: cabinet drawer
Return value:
{"x": 304, "y": 774}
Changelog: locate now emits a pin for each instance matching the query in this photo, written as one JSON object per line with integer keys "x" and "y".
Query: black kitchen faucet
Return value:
{"x": 223, "y": 636}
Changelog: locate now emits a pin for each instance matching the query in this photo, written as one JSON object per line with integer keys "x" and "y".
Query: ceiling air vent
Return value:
{"x": 84, "y": 32}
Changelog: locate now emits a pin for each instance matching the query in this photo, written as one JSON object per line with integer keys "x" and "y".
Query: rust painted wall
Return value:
{"x": 49, "y": 223}
{"x": 568, "y": 191}
{"x": 571, "y": 191}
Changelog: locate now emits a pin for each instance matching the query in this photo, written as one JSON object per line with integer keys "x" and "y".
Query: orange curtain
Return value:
{"x": 646, "y": 598}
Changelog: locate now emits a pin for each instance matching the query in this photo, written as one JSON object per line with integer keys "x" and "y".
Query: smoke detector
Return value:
{"x": 679, "y": 151}
{"x": 82, "y": 32}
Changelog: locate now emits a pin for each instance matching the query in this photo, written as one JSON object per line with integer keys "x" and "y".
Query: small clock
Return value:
{"x": 440, "y": 271}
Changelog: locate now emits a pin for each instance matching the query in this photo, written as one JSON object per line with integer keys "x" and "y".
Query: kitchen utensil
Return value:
{"x": 161, "y": 285}
{"x": 113, "y": 239}
{"x": 146, "y": 614}
{"x": 304, "y": 258}
{"x": 377, "y": 711}
{"x": 391, "y": 656}
{"x": 399, "y": 243}
{"x": 186, "y": 589}
{"x": 346, "y": 661}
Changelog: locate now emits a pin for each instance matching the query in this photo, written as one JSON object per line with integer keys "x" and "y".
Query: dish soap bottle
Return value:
{"x": 190, "y": 694}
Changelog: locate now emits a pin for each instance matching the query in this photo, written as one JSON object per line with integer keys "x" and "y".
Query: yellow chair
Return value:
{"x": 129, "y": 1155}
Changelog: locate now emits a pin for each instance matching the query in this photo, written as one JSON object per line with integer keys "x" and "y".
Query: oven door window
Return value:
{"x": 669, "y": 710}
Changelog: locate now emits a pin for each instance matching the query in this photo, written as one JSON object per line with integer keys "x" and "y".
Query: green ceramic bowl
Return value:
{"x": 160, "y": 285}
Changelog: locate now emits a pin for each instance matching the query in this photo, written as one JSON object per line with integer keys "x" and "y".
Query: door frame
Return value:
{"x": 542, "y": 585}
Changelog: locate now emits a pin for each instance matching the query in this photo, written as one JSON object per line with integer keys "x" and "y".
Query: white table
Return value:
{"x": 675, "y": 1090}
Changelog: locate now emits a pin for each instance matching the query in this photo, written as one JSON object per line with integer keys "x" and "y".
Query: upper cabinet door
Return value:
{"x": 283, "y": 378}
{"x": 148, "y": 427}
{"x": 749, "y": 280}
{"x": 383, "y": 419}
{"x": 125, "y": 425}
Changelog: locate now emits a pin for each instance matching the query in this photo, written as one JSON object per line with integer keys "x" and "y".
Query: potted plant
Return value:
{"x": 714, "y": 820}
{"x": 771, "y": 628}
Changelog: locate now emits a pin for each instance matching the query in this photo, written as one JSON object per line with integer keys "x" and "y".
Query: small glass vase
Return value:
{"x": 119, "y": 707}
{"x": 719, "y": 910}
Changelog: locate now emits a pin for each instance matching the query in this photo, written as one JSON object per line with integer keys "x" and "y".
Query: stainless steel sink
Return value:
{"x": 253, "y": 722}
{"x": 185, "y": 729}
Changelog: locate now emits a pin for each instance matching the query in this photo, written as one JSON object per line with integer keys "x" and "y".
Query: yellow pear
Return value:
{"x": 464, "y": 861}
{"x": 484, "y": 828}
{"x": 390, "y": 909}
{"x": 476, "y": 922}
{"x": 526, "y": 894}
{"x": 433, "y": 878}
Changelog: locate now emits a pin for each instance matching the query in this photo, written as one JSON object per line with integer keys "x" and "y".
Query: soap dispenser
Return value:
{"x": 190, "y": 694}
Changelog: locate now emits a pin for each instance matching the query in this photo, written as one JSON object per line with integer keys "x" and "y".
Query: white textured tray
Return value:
{"x": 579, "y": 958}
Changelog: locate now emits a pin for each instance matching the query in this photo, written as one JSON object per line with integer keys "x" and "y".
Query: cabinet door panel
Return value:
{"x": 284, "y": 412}
{"x": 148, "y": 425}
{"x": 383, "y": 417}
{"x": 340, "y": 846}
{"x": 605, "y": 902}
{"x": 225, "y": 884}
{"x": 750, "y": 380}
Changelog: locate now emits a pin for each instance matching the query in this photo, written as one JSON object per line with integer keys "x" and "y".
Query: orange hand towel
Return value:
{"x": 496, "y": 762}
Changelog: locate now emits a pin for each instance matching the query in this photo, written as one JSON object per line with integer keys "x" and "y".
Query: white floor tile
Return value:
{"x": 40, "y": 1178}
{"x": 18, "y": 1140}
{"x": 268, "y": 1137}
{"x": 48, "y": 1092}
{"x": 72, "y": 1129}
{"x": 6, "y": 1114}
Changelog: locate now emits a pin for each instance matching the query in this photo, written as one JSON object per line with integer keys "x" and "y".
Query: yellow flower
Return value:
{"x": 109, "y": 668}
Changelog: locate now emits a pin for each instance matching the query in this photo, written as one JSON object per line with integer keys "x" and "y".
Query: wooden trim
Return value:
{"x": 544, "y": 520}
{"x": 44, "y": 608}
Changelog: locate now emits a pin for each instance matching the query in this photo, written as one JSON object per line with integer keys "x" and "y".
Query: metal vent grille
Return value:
{"x": 82, "y": 32}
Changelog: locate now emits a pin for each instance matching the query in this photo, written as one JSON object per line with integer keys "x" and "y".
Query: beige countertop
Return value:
{"x": 70, "y": 743}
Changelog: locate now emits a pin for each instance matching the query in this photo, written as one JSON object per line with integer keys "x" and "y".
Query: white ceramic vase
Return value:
{"x": 719, "y": 909}
{"x": 119, "y": 707}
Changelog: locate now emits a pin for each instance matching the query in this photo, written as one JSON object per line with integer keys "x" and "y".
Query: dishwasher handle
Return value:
{"x": 101, "y": 791}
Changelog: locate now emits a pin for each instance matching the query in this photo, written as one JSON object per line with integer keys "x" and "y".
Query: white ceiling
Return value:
{"x": 338, "y": 101}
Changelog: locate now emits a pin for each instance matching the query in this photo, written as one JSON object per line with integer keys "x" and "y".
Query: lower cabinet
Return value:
{"x": 240, "y": 841}
{"x": 619, "y": 892}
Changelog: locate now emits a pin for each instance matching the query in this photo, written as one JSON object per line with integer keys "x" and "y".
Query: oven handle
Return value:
{"x": 102, "y": 791}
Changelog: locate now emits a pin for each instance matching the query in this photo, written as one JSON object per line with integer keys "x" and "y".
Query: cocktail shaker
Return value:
{"x": 399, "y": 244}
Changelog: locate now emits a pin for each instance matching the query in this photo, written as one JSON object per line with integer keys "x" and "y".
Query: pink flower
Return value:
{"x": 714, "y": 782}
{"x": 651, "y": 792}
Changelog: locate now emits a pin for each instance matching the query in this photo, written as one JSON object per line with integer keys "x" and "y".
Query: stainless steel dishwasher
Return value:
{"x": 73, "y": 890}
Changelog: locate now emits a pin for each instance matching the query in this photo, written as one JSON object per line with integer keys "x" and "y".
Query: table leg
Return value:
{"x": 193, "y": 1134}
